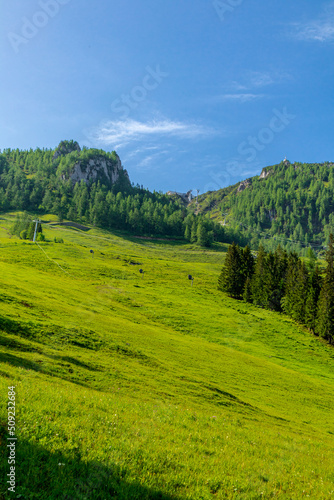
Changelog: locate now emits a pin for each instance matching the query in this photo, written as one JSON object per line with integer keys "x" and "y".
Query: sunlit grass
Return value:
{"x": 137, "y": 385}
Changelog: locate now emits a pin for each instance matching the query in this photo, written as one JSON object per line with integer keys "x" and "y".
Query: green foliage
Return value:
{"x": 312, "y": 299}
{"x": 247, "y": 293}
{"x": 21, "y": 223}
{"x": 231, "y": 277}
{"x": 259, "y": 280}
{"x": 40, "y": 237}
{"x": 67, "y": 147}
{"x": 38, "y": 181}
{"x": 282, "y": 282}
{"x": 325, "y": 320}
{"x": 31, "y": 230}
{"x": 24, "y": 227}
{"x": 292, "y": 206}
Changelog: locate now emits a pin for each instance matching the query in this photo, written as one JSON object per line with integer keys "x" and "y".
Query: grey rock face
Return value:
{"x": 265, "y": 173}
{"x": 243, "y": 185}
{"x": 95, "y": 169}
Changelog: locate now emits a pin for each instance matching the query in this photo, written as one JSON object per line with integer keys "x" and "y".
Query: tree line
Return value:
{"x": 281, "y": 281}
{"x": 24, "y": 227}
{"x": 293, "y": 203}
{"x": 34, "y": 181}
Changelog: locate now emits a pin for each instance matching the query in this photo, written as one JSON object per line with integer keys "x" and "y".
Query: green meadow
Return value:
{"x": 144, "y": 386}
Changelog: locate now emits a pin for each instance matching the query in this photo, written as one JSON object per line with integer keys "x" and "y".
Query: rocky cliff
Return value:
{"x": 98, "y": 168}
{"x": 88, "y": 165}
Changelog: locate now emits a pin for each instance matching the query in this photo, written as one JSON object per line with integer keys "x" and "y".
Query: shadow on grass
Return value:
{"x": 41, "y": 475}
{"x": 26, "y": 364}
{"x": 75, "y": 362}
{"x": 144, "y": 240}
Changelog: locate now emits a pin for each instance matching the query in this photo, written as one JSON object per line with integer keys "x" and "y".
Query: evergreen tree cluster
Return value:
{"x": 35, "y": 181}
{"x": 281, "y": 281}
{"x": 24, "y": 228}
{"x": 292, "y": 204}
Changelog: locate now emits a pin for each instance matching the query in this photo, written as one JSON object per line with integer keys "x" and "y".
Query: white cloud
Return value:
{"x": 320, "y": 29}
{"x": 260, "y": 79}
{"x": 135, "y": 152}
{"x": 321, "y": 32}
{"x": 123, "y": 132}
{"x": 152, "y": 160}
{"x": 237, "y": 97}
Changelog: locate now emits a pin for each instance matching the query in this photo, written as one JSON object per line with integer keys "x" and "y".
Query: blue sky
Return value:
{"x": 192, "y": 94}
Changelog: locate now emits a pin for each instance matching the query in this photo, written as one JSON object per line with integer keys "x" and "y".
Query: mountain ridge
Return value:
{"x": 293, "y": 201}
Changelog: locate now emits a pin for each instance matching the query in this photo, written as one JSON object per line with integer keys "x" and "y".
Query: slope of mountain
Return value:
{"x": 292, "y": 204}
{"x": 91, "y": 186}
{"x": 141, "y": 386}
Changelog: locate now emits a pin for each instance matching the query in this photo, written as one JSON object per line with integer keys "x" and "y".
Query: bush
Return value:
{"x": 58, "y": 240}
{"x": 23, "y": 234}
{"x": 40, "y": 237}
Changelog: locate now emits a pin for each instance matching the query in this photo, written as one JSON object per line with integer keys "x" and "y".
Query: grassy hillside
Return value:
{"x": 290, "y": 204}
{"x": 135, "y": 386}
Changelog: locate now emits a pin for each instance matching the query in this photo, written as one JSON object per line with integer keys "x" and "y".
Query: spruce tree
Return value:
{"x": 289, "y": 299}
{"x": 301, "y": 291}
{"x": 258, "y": 279}
{"x": 247, "y": 293}
{"x": 248, "y": 263}
{"x": 201, "y": 235}
{"x": 31, "y": 231}
{"x": 311, "y": 306}
{"x": 230, "y": 280}
{"x": 187, "y": 233}
{"x": 193, "y": 234}
{"x": 325, "y": 316}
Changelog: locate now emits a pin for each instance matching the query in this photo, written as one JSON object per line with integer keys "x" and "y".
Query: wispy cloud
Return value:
{"x": 261, "y": 79}
{"x": 321, "y": 32}
{"x": 250, "y": 87}
{"x": 320, "y": 29}
{"x": 138, "y": 151}
{"x": 151, "y": 160}
{"x": 237, "y": 97}
{"x": 253, "y": 80}
{"x": 123, "y": 132}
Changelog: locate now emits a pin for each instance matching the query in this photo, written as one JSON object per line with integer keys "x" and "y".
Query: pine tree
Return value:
{"x": 301, "y": 291}
{"x": 248, "y": 263}
{"x": 258, "y": 279}
{"x": 201, "y": 235}
{"x": 230, "y": 280}
{"x": 31, "y": 231}
{"x": 187, "y": 233}
{"x": 288, "y": 301}
{"x": 247, "y": 293}
{"x": 325, "y": 317}
{"x": 311, "y": 306}
{"x": 193, "y": 234}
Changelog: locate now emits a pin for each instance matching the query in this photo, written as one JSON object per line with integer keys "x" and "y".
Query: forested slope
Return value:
{"x": 45, "y": 181}
{"x": 288, "y": 203}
